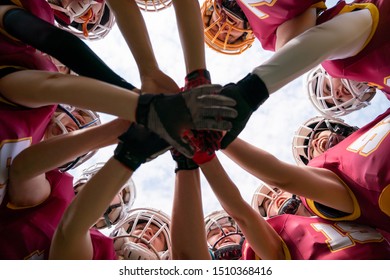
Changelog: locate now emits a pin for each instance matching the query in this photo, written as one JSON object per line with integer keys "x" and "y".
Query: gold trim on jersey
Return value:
{"x": 350, "y": 217}
{"x": 384, "y": 200}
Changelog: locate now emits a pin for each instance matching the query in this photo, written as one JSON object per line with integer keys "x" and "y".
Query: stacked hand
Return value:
{"x": 249, "y": 93}
{"x": 171, "y": 115}
{"x": 139, "y": 145}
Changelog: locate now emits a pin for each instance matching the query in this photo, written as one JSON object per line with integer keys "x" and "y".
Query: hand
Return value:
{"x": 139, "y": 145}
{"x": 182, "y": 162}
{"x": 197, "y": 78}
{"x": 205, "y": 143}
{"x": 249, "y": 93}
{"x": 158, "y": 82}
{"x": 171, "y": 115}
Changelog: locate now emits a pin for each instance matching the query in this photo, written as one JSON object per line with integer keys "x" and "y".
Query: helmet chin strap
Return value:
{"x": 290, "y": 206}
{"x": 229, "y": 252}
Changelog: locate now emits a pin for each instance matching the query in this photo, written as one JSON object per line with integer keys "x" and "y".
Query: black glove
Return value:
{"x": 249, "y": 93}
{"x": 171, "y": 115}
{"x": 182, "y": 162}
{"x": 139, "y": 145}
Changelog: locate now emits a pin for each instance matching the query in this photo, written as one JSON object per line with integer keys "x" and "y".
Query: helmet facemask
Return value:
{"x": 217, "y": 223}
{"x": 135, "y": 237}
{"x": 328, "y": 104}
{"x": 226, "y": 17}
{"x": 303, "y": 139}
{"x": 153, "y": 5}
{"x": 121, "y": 204}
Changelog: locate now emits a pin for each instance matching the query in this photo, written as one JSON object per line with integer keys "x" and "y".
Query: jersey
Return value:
{"x": 265, "y": 16}
{"x": 313, "y": 238}
{"x": 361, "y": 161}
{"x": 18, "y": 54}
{"x": 26, "y": 233}
{"x": 372, "y": 63}
{"x": 103, "y": 246}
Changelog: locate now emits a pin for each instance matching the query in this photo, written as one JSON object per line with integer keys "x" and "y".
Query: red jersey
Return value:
{"x": 362, "y": 162}
{"x": 265, "y": 16}
{"x": 26, "y": 233}
{"x": 18, "y": 54}
{"x": 103, "y": 246}
{"x": 313, "y": 238}
{"x": 372, "y": 63}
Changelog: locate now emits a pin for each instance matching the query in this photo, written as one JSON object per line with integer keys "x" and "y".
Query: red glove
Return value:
{"x": 197, "y": 78}
{"x": 205, "y": 144}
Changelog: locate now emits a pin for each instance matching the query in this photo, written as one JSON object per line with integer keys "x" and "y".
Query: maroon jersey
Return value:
{"x": 265, "y": 16}
{"x": 313, "y": 238}
{"x": 372, "y": 63}
{"x": 103, "y": 246}
{"x": 18, "y": 54}
{"x": 26, "y": 233}
{"x": 362, "y": 162}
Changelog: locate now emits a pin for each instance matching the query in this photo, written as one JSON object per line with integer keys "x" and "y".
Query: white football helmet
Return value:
{"x": 92, "y": 118}
{"x": 135, "y": 242}
{"x": 87, "y": 19}
{"x": 318, "y": 79}
{"x": 230, "y": 18}
{"x": 289, "y": 206}
{"x": 219, "y": 220}
{"x": 116, "y": 211}
{"x": 153, "y": 5}
{"x": 304, "y": 136}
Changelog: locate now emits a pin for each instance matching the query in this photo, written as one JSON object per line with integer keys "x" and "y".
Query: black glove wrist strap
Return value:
{"x": 122, "y": 155}
{"x": 254, "y": 90}
{"x": 143, "y": 107}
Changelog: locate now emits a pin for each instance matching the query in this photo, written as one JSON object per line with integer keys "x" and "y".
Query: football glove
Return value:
{"x": 249, "y": 93}
{"x": 171, "y": 115}
{"x": 182, "y": 162}
{"x": 139, "y": 145}
{"x": 197, "y": 78}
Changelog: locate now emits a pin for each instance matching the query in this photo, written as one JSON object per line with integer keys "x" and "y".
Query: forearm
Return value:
{"x": 190, "y": 26}
{"x": 46, "y": 88}
{"x": 133, "y": 28}
{"x": 187, "y": 224}
{"x": 341, "y": 37}
{"x": 64, "y": 46}
{"x": 65, "y": 147}
{"x": 262, "y": 237}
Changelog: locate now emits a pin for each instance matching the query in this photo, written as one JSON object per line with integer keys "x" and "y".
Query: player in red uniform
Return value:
{"x": 282, "y": 237}
{"x": 344, "y": 183}
{"x": 135, "y": 146}
{"x": 298, "y": 56}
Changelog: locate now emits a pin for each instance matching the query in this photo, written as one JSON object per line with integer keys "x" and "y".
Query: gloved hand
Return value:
{"x": 182, "y": 162}
{"x": 205, "y": 144}
{"x": 171, "y": 115}
{"x": 197, "y": 78}
{"x": 249, "y": 93}
{"x": 139, "y": 145}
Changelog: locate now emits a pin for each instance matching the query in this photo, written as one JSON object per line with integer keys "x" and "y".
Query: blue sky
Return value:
{"x": 271, "y": 127}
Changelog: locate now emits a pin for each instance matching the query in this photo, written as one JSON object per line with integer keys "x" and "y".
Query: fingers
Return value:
{"x": 217, "y": 113}
{"x": 216, "y": 100}
{"x": 213, "y": 124}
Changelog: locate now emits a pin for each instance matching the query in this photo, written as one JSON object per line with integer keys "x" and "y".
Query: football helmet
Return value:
{"x": 223, "y": 21}
{"x": 329, "y": 105}
{"x": 134, "y": 238}
{"x": 91, "y": 118}
{"x": 116, "y": 211}
{"x": 289, "y": 206}
{"x": 302, "y": 144}
{"x": 87, "y": 19}
{"x": 153, "y": 5}
{"x": 219, "y": 220}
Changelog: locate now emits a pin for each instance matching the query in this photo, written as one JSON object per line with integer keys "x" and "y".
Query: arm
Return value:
{"x": 132, "y": 26}
{"x": 326, "y": 41}
{"x": 52, "y": 40}
{"x": 187, "y": 223}
{"x": 190, "y": 26}
{"x": 27, "y": 182}
{"x": 318, "y": 184}
{"x": 72, "y": 239}
{"x": 261, "y": 236}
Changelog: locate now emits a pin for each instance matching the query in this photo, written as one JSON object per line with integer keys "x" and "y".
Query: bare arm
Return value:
{"x": 41, "y": 88}
{"x": 72, "y": 239}
{"x": 260, "y": 235}
{"x": 318, "y": 184}
{"x": 187, "y": 224}
{"x": 190, "y": 26}
{"x": 27, "y": 182}
{"x": 134, "y": 31}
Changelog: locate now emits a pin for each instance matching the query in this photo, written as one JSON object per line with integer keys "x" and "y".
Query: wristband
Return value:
{"x": 253, "y": 91}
